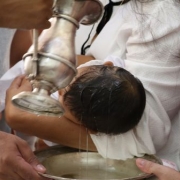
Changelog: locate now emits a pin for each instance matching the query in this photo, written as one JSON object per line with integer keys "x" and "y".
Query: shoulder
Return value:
{"x": 156, "y": 20}
{"x": 160, "y": 10}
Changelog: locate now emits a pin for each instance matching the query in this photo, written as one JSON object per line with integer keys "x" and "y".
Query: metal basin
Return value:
{"x": 68, "y": 163}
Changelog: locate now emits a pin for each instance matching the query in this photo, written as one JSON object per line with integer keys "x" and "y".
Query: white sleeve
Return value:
{"x": 150, "y": 49}
{"x": 7, "y": 79}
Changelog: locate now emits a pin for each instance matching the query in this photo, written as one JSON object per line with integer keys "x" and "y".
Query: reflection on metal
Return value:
{"x": 68, "y": 163}
{"x": 50, "y": 63}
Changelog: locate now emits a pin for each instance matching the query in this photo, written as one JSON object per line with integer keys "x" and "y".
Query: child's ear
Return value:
{"x": 108, "y": 63}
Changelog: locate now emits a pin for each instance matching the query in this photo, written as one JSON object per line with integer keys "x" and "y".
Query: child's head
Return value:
{"x": 106, "y": 99}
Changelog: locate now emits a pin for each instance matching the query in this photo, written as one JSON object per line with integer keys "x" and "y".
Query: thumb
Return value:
{"x": 30, "y": 157}
{"x": 162, "y": 172}
{"x": 147, "y": 166}
{"x": 17, "y": 82}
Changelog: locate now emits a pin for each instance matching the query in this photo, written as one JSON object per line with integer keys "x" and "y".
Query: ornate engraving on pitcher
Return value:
{"x": 55, "y": 65}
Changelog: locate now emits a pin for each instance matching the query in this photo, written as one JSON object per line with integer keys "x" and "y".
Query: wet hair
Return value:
{"x": 106, "y": 99}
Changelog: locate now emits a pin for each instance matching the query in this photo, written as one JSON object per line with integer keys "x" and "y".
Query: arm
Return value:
{"x": 22, "y": 14}
{"x": 56, "y": 129}
{"x": 21, "y": 42}
{"x": 81, "y": 59}
{"x": 162, "y": 172}
{"x": 20, "y": 45}
{"x": 17, "y": 161}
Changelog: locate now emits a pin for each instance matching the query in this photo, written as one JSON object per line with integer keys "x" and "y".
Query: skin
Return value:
{"x": 162, "y": 172}
{"x": 81, "y": 59}
{"x": 21, "y": 14}
{"x": 21, "y": 42}
{"x": 64, "y": 130}
{"x": 72, "y": 139}
{"x": 17, "y": 161}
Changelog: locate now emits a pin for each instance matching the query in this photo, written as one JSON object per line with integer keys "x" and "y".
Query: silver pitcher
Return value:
{"x": 50, "y": 63}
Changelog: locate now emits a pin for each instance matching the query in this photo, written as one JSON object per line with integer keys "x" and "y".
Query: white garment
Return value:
{"x": 5, "y": 82}
{"x": 6, "y": 37}
{"x": 140, "y": 140}
{"x": 130, "y": 37}
{"x": 149, "y": 45}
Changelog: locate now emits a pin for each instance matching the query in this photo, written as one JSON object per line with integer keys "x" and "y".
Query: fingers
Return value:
{"x": 9, "y": 176}
{"x": 26, "y": 171}
{"x": 162, "y": 172}
{"x": 26, "y": 85}
{"x": 13, "y": 88}
{"x": 17, "y": 82}
{"x": 27, "y": 166}
{"x": 15, "y": 158}
{"x": 26, "y": 14}
{"x": 46, "y": 25}
{"x": 20, "y": 83}
{"x": 146, "y": 166}
{"x": 29, "y": 157}
{"x": 44, "y": 14}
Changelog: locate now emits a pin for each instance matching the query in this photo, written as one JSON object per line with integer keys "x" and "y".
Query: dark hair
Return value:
{"x": 106, "y": 99}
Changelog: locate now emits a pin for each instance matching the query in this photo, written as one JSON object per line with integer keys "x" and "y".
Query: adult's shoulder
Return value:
{"x": 160, "y": 10}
